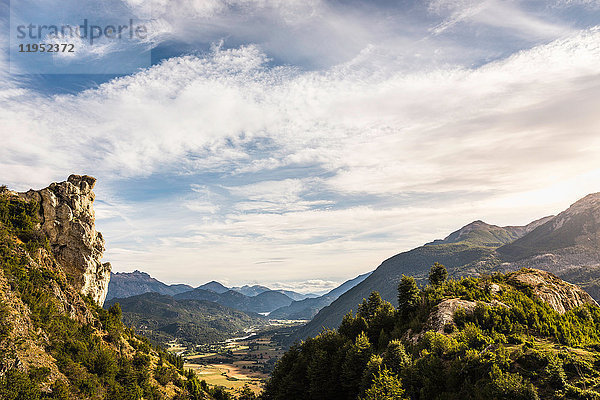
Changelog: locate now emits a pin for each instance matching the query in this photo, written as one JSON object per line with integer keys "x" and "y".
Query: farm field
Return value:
{"x": 240, "y": 361}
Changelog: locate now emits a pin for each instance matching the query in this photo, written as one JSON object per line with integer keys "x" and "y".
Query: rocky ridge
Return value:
{"x": 67, "y": 218}
{"x": 128, "y": 284}
{"x": 560, "y": 295}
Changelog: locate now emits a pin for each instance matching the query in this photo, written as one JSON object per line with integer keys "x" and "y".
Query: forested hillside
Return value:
{"x": 524, "y": 335}
{"x": 191, "y": 322}
{"x": 56, "y": 343}
{"x": 567, "y": 245}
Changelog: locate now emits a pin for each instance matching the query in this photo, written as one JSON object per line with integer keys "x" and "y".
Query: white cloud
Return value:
{"x": 491, "y": 135}
{"x": 315, "y": 286}
{"x": 508, "y": 15}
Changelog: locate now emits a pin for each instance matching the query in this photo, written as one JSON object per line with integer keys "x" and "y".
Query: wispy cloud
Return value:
{"x": 230, "y": 162}
{"x": 508, "y": 15}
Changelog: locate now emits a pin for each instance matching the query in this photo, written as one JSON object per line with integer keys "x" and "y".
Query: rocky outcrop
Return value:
{"x": 67, "y": 219}
{"x": 560, "y": 295}
{"x": 443, "y": 314}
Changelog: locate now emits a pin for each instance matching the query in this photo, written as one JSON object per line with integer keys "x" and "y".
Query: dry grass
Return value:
{"x": 230, "y": 376}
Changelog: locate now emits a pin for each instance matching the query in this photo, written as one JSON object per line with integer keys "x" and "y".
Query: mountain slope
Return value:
{"x": 526, "y": 335}
{"x": 560, "y": 244}
{"x": 262, "y": 303}
{"x": 127, "y": 284}
{"x": 163, "y": 318}
{"x": 214, "y": 286}
{"x": 54, "y": 338}
{"x": 308, "y": 308}
{"x": 576, "y": 228}
{"x": 386, "y": 277}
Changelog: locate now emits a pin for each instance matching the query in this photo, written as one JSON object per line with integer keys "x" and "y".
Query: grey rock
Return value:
{"x": 67, "y": 219}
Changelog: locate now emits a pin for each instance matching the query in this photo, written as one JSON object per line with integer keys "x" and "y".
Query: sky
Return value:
{"x": 298, "y": 144}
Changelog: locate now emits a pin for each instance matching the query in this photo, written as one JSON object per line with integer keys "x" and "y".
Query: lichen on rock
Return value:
{"x": 67, "y": 219}
{"x": 558, "y": 294}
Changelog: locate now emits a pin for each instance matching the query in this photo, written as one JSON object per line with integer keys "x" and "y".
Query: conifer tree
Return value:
{"x": 409, "y": 295}
{"x": 437, "y": 274}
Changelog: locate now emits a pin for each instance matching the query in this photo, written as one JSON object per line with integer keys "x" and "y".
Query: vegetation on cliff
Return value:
{"x": 505, "y": 342}
{"x": 58, "y": 344}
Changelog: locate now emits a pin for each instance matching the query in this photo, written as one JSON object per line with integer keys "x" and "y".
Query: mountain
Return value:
{"x": 525, "y": 335}
{"x": 262, "y": 303}
{"x": 162, "y": 318}
{"x": 349, "y": 284}
{"x": 251, "y": 290}
{"x": 258, "y": 289}
{"x": 573, "y": 236}
{"x": 214, "y": 286}
{"x": 55, "y": 339}
{"x": 294, "y": 295}
{"x": 561, "y": 244}
{"x": 483, "y": 234}
{"x": 308, "y": 308}
{"x": 127, "y": 284}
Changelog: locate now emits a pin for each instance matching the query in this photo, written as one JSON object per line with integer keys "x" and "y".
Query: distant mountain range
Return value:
{"x": 255, "y": 290}
{"x": 163, "y": 318}
{"x": 567, "y": 245}
{"x": 127, "y": 284}
{"x": 285, "y": 304}
{"x": 308, "y": 308}
{"x": 264, "y": 302}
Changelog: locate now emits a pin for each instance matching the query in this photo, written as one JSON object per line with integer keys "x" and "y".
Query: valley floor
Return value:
{"x": 247, "y": 360}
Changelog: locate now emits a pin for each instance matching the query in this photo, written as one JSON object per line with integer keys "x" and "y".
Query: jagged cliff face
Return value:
{"x": 558, "y": 294}
{"x": 68, "y": 220}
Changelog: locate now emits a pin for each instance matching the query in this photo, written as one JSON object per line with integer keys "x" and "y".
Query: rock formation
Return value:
{"x": 67, "y": 219}
{"x": 558, "y": 294}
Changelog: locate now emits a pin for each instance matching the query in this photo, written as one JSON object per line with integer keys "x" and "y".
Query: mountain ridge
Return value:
{"x": 308, "y": 308}
{"x": 469, "y": 251}
{"x": 164, "y": 318}
{"x": 262, "y": 303}
{"x": 127, "y": 284}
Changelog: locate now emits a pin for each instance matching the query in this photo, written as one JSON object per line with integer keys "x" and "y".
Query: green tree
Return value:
{"x": 371, "y": 371}
{"x": 246, "y": 393}
{"x": 385, "y": 386}
{"x": 409, "y": 295}
{"x": 370, "y": 307}
{"x": 352, "y": 326}
{"x": 60, "y": 390}
{"x": 437, "y": 274}
{"x": 115, "y": 311}
{"x": 354, "y": 364}
{"x": 16, "y": 385}
{"x": 395, "y": 357}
